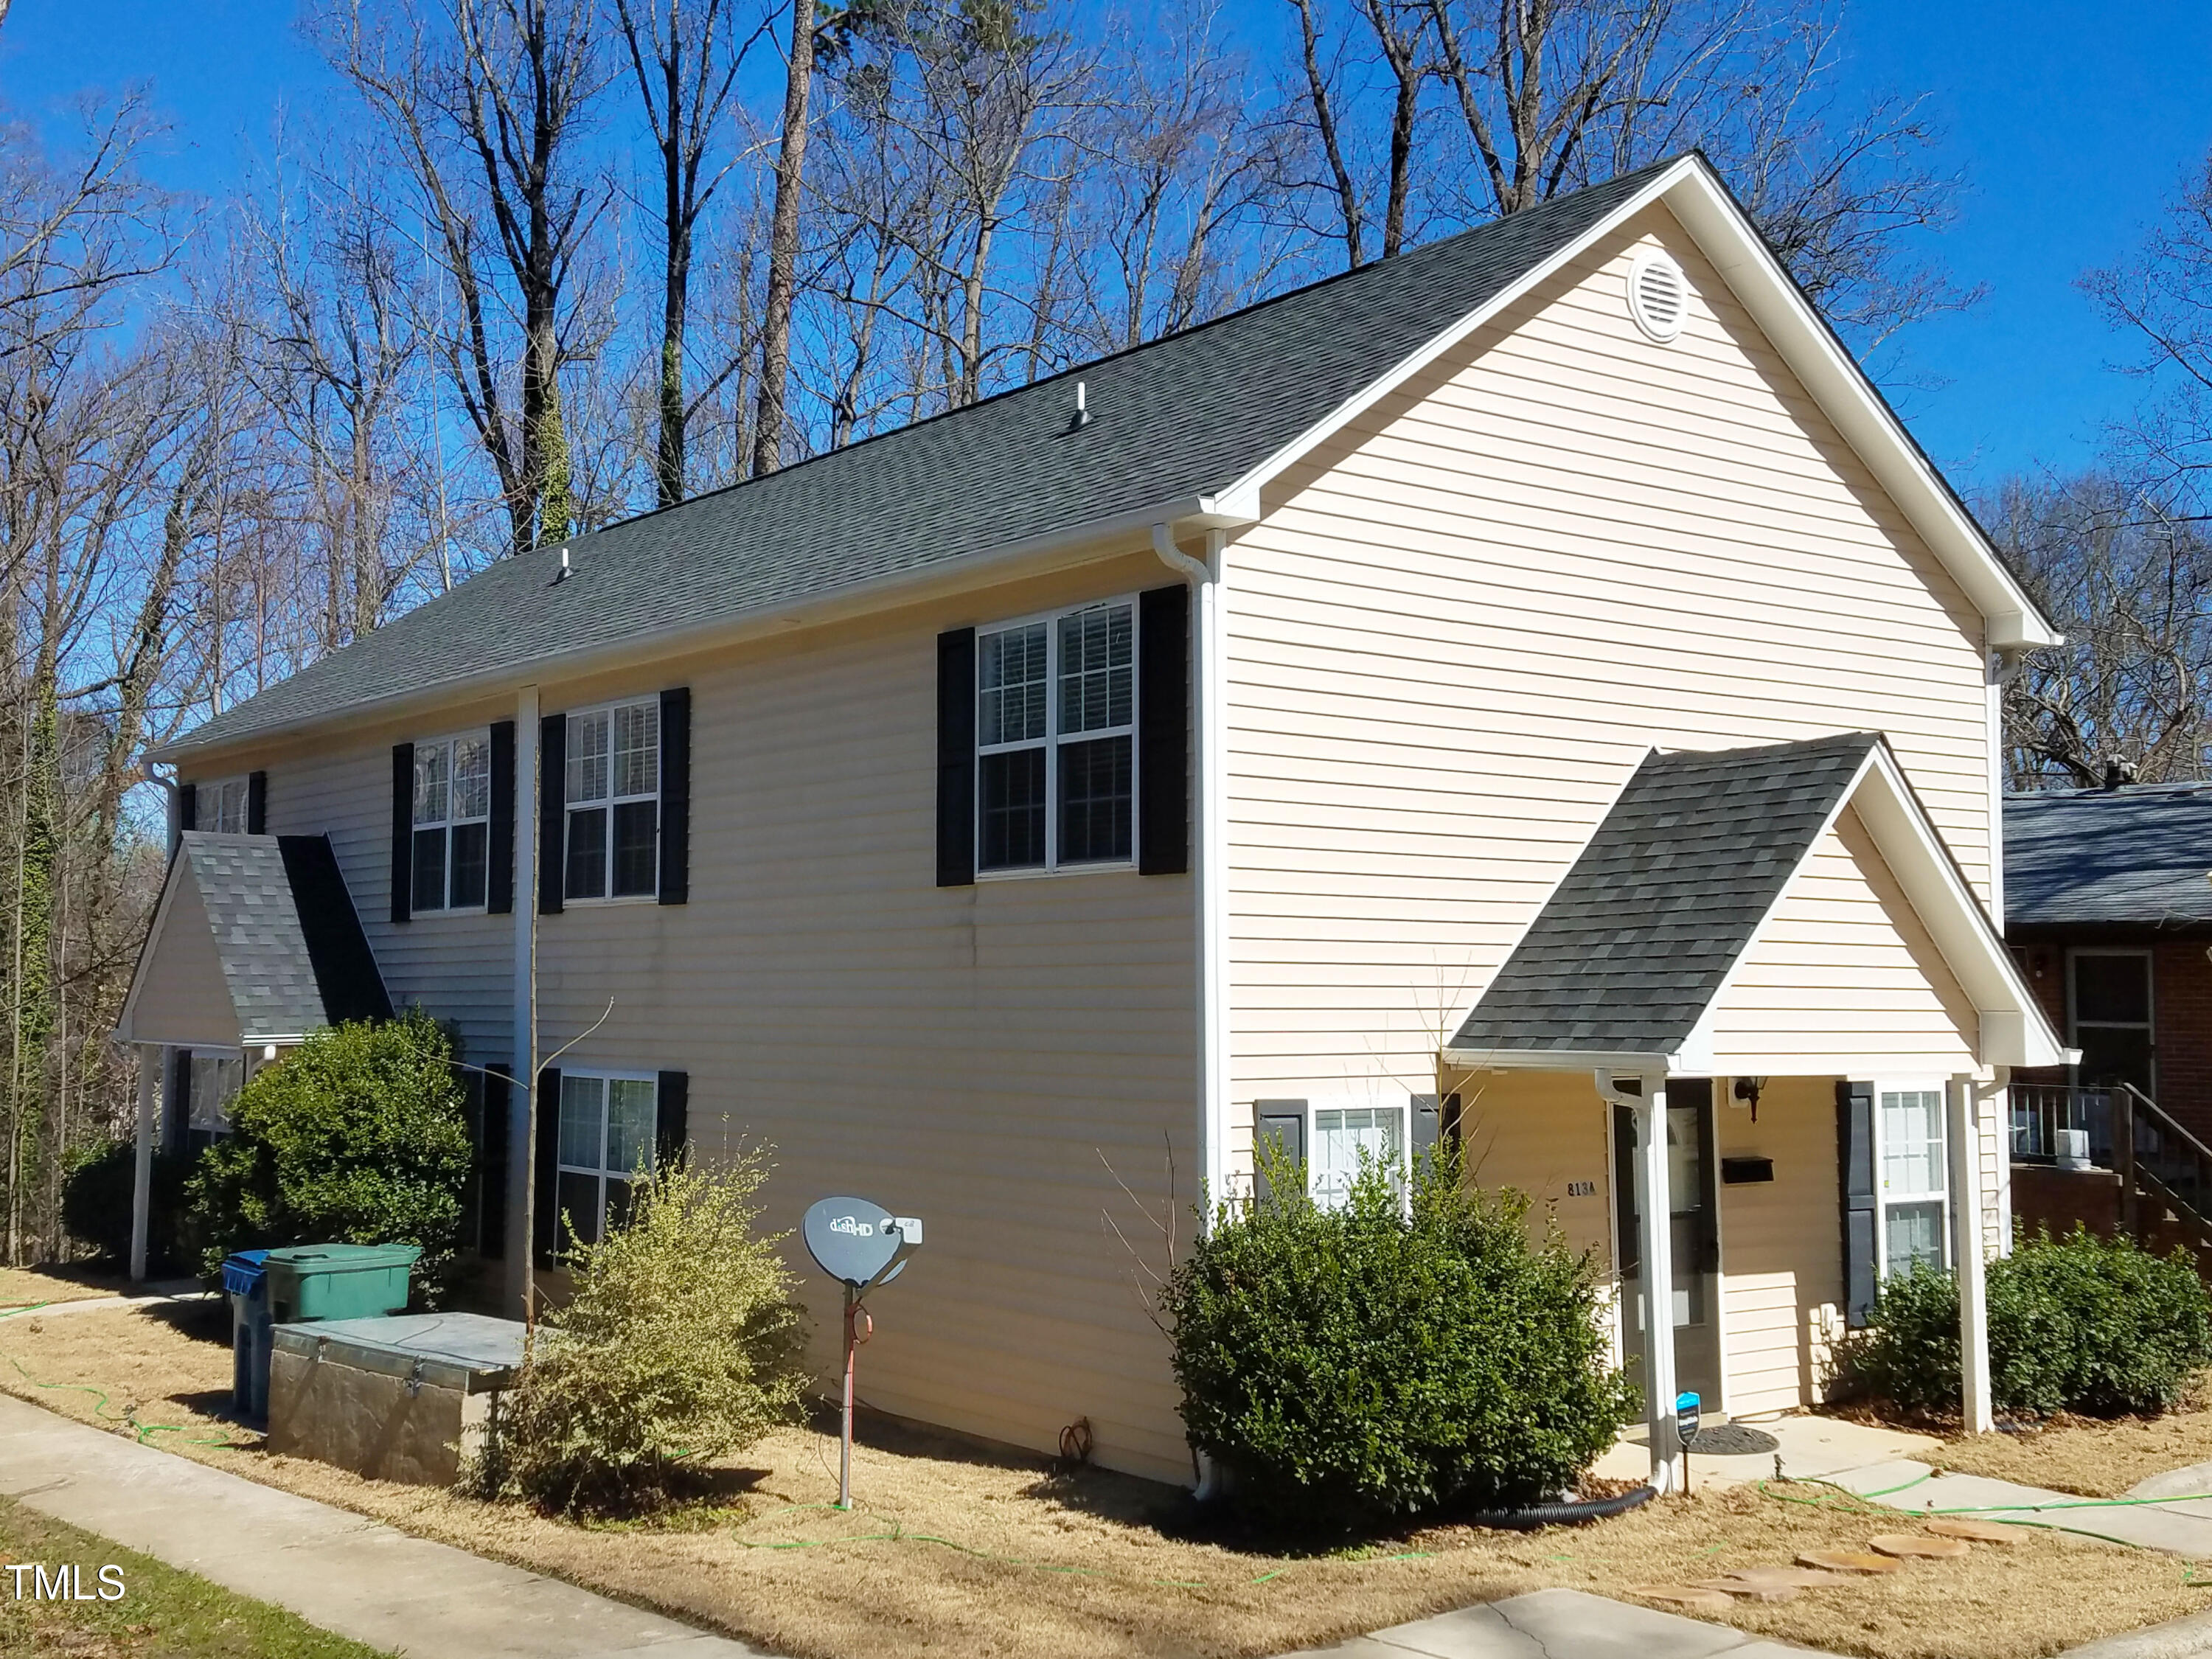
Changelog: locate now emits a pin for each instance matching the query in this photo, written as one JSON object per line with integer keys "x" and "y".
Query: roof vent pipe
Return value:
{"x": 1082, "y": 417}
{"x": 563, "y": 574}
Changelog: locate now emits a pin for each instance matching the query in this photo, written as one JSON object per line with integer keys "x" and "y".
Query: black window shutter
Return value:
{"x": 552, "y": 814}
{"x": 188, "y": 806}
{"x": 1283, "y": 1122}
{"x": 672, "y": 1117}
{"x": 1855, "y": 1176}
{"x": 403, "y": 831}
{"x": 546, "y": 1232}
{"x": 1435, "y": 1120}
{"x": 256, "y": 803}
{"x": 499, "y": 856}
{"x": 492, "y": 1141}
{"x": 1164, "y": 731}
{"x": 675, "y": 796}
{"x": 955, "y": 759}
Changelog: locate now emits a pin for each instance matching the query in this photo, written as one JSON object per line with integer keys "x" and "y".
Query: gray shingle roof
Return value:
{"x": 1637, "y": 936}
{"x": 293, "y": 955}
{"x": 1186, "y": 416}
{"x": 2140, "y": 854}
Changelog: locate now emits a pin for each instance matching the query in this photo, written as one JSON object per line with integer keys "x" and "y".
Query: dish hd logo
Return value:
{"x": 63, "y": 1583}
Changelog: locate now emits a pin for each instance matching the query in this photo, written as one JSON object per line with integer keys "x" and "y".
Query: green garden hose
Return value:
{"x": 99, "y": 1399}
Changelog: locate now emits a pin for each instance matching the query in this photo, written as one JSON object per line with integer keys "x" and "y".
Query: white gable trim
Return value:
{"x": 2013, "y": 1029}
{"x": 1701, "y": 203}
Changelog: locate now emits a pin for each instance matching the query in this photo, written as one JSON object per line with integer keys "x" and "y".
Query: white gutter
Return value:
{"x": 1071, "y": 545}
{"x": 1209, "y": 633}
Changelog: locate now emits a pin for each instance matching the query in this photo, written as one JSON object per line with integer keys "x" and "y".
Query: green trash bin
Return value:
{"x": 339, "y": 1281}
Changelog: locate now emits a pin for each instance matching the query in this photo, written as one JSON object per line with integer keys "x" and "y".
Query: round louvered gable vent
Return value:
{"x": 1658, "y": 295}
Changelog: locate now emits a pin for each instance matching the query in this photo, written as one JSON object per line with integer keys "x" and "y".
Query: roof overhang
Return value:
{"x": 1036, "y": 556}
{"x": 1693, "y": 192}
{"x": 2013, "y": 1029}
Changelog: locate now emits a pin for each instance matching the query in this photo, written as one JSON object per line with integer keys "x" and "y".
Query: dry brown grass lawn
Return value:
{"x": 958, "y": 1552}
{"x": 21, "y": 1287}
{"x": 2083, "y": 1454}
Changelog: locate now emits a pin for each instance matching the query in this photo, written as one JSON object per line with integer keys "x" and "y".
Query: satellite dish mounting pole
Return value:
{"x": 845, "y": 1439}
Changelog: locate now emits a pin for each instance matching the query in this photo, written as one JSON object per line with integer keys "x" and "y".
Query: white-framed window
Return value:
{"x": 2108, "y": 1005}
{"x": 221, "y": 805}
{"x": 1341, "y": 1133}
{"x": 216, "y": 1076}
{"x": 612, "y": 791}
{"x": 1055, "y": 740}
{"x": 1914, "y": 1162}
{"x": 607, "y": 1124}
{"x": 453, "y": 822}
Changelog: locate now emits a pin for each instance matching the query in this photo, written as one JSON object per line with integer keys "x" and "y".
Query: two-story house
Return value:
{"x": 1531, "y": 689}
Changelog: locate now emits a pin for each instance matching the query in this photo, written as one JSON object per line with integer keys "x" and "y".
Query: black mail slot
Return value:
{"x": 1744, "y": 1172}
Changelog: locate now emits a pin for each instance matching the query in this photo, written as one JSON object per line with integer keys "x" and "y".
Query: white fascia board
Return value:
{"x": 1059, "y": 550}
{"x": 2014, "y": 1031}
{"x": 1734, "y": 246}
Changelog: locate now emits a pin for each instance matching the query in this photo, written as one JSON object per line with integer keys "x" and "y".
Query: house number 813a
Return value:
{"x": 1581, "y": 1190}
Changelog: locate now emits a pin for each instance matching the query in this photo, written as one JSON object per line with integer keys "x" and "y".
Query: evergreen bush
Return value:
{"x": 2081, "y": 1323}
{"x": 682, "y": 1342}
{"x": 1402, "y": 1351}
{"x": 358, "y": 1136}
{"x": 97, "y": 1195}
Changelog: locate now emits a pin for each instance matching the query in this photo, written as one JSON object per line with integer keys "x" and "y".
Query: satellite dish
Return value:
{"x": 859, "y": 1244}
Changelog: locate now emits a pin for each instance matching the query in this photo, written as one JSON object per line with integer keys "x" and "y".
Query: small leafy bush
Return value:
{"x": 358, "y": 1136}
{"x": 1348, "y": 1365}
{"x": 682, "y": 1341}
{"x": 97, "y": 1193}
{"x": 2083, "y": 1324}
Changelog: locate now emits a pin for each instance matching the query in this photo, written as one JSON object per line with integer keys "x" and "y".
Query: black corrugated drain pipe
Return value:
{"x": 1559, "y": 1515}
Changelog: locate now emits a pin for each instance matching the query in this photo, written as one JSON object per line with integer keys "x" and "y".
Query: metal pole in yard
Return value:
{"x": 845, "y": 1443}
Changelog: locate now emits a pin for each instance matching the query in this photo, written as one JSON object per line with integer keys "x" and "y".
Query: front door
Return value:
{"x": 1692, "y": 1184}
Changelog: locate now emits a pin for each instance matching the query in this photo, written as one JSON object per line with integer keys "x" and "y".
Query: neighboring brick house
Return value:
{"x": 2108, "y": 910}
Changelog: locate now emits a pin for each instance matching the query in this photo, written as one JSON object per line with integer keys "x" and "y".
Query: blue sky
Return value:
{"x": 2070, "y": 119}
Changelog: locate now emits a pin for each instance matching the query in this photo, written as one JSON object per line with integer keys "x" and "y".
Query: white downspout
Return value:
{"x": 1209, "y": 864}
{"x": 522, "y": 1092}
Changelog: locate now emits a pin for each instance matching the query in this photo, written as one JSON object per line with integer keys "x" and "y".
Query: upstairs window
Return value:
{"x": 1055, "y": 740}
{"x": 222, "y": 805}
{"x": 612, "y": 792}
{"x": 453, "y": 823}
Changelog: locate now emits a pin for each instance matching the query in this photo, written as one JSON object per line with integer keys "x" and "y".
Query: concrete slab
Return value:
{"x": 183, "y": 1290}
{"x": 336, "y": 1570}
{"x": 2178, "y": 1638}
{"x": 1547, "y": 1624}
{"x": 1812, "y": 1447}
{"x": 1913, "y": 1486}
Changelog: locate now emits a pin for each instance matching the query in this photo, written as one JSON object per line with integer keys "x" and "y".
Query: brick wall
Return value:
{"x": 2181, "y": 1013}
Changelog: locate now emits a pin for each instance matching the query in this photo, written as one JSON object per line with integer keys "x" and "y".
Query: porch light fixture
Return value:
{"x": 1748, "y": 1090}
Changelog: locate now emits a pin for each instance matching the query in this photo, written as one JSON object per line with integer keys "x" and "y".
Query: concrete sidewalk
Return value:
{"x": 149, "y": 1295}
{"x": 1554, "y": 1624}
{"x": 335, "y": 1569}
{"x": 2170, "y": 1527}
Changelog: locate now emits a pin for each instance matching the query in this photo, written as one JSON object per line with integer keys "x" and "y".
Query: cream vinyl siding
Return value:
{"x": 998, "y": 1060}
{"x": 460, "y": 967}
{"x": 1453, "y": 637}
{"x": 1843, "y": 975}
{"x": 184, "y": 998}
{"x": 1781, "y": 1245}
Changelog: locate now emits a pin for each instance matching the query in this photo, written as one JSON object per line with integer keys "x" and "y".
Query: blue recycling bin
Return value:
{"x": 245, "y": 1282}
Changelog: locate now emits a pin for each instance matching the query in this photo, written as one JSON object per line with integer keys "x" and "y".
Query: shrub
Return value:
{"x": 356, "y": 1137}
{"x": 682, "y": 1341}
{"x": 2081, "y": 1323}
{"x": 1351, "y": 1365}
{"x": 97, "y": 1191}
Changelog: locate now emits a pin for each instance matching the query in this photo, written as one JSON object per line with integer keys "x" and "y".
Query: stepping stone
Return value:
{"x": 1793, "y": 1578}
{"x": 1691, "y": 1596}
{"x": 1913, "y": 1543}
{"x": 1979, "y": 1532}
{"x": 1748, "y": 1591}
{"x": 1848, "y": 1561}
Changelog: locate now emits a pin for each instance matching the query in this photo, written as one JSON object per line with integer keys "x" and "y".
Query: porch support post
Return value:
{"x": 1968, "y": 1249}
{"x": 1655, "y": 1209}
{"x": 151, "y": 1067}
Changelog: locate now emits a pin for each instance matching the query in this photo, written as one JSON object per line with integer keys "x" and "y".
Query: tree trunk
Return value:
{"x": 783, "y": 245}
